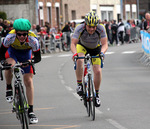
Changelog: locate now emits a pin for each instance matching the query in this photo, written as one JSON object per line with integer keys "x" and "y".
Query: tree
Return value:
{"x": 3, "y": 15}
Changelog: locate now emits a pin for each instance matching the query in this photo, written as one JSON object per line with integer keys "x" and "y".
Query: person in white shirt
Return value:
{"x": 121, "y": 31}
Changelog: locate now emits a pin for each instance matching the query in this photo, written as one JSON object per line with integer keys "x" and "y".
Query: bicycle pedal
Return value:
{"x": 81, "y": 98}
{"x": 13, "y": 109}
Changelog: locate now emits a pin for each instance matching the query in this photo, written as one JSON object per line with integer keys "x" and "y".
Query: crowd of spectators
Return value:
{"x": 45, "y": 32}
{"x": 118, "y": 32}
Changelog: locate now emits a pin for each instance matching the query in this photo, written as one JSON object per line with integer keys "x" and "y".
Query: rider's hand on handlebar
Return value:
{"x": 4, "y": 63}
{"x": 76, "y": 54}
{"x": 102, "y": 55}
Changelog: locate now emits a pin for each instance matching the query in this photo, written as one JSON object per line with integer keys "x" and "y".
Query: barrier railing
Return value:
{"x": 134, "y": 33}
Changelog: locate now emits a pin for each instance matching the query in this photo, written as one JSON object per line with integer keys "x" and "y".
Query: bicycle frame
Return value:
{"x": 20, "y": 105}
{"x": 89, "y": 95}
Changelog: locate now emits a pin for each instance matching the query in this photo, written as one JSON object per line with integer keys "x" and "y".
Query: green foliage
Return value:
{"x": 3, "y": 15}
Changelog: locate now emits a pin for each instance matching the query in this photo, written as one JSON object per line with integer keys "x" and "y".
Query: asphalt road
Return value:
{"x": 125, "y": 93}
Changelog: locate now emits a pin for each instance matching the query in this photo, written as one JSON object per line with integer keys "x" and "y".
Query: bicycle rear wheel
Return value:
{"x": 23, "y": 109}
{"x": 92, "y": 97}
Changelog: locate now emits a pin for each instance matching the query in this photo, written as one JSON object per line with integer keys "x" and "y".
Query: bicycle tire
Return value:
{"x": 89, "y": 94}
{"x": 92, "y": 97}
{"x": 85, "y": 96}
{"x": 23, "y": 111}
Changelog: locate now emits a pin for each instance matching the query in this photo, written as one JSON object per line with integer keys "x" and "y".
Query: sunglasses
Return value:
{"x": 24, "y": 34}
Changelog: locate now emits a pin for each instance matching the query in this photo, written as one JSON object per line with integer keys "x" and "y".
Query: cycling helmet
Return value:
{"x": 91, "y": 19}
{"x": 22, "y": 24}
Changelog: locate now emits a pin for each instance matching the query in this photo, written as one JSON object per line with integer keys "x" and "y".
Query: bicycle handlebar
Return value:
{"x": 6, "y": 67}
{"x": 88, "y": 57}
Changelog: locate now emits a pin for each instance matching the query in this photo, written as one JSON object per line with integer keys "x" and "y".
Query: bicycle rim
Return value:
{"x": 23, "y": 110}
{"x": 92, "y": 98}
{"x": 85, "y": 97}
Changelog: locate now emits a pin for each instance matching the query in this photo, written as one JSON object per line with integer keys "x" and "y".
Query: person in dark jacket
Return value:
{"x": 114, "y": 28}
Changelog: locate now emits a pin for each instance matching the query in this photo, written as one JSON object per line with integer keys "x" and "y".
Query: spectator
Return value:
{"x": 107, "y": 26}
{"x": 1, "y": 22}
{"x": 34, "y": 30}
{"x": 43, "y": 36}
{"x": 142, "y": 24}
{"x": 10, "y": 26}
{"x": 147, "y": 22}
{"x": 66, "y": 30}
{"x": 132, "y": 22}
{"x": 127, "y": 31}
{"x": 47, "y": 27}
{"x": 5, "y": 29}
{"x": 38, "y": 28}
{"x": 1, "y": 29}
{"x": 114, "y": 28}
{"x": 121, "y": 31}
{"x": 72, "y": 27}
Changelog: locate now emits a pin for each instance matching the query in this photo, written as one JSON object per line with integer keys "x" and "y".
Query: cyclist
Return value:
{"x": 17, "y": 47}
{"x": 89, "y": 37}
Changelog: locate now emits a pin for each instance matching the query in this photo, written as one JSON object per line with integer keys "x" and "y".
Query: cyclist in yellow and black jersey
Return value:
{"x": 17, "y": 47}
{"x": 89, "y": 37}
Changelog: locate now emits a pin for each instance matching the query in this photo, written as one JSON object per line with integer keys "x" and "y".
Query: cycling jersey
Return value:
{"x": 12, "y": 48}
{"x": 31, "y": 42}
{"x": 87, "y": 40}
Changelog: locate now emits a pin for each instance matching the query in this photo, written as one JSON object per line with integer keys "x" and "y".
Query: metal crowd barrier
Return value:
{"x": 49, "y": 45}
{"x": 134, "y": 34}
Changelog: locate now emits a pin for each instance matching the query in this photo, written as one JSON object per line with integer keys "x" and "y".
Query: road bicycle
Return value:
{"x": 19, "y": 104}
{"x": 89, "y": 94}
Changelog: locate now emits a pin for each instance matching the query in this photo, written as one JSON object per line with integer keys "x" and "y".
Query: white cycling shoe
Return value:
{"x": 32, "y": 118}
{"x": 9, "y": 96}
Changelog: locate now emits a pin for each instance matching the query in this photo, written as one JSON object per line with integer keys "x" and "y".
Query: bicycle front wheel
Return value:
{"x": 86, "y": 96}
{"x": 91, "y": 97}
{"x": 23, "y": 109}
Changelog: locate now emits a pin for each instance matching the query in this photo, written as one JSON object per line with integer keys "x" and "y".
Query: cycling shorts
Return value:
{"x": 20, "y": 56}
{"x": 93, "y": 52}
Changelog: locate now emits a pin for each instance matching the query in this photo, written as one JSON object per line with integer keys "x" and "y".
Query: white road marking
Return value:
{"x": 64, "y": 55}
{"x": 108, "y": 53}
{"x": 69, "y": 88}
{"x": 46, "y": 56}
{"x": 115, "y": 123}
{"x": 128, "y": 52}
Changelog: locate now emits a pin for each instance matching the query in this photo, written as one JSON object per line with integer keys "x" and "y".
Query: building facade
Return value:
{"x": 74, "y": 9}
{"x": 19, "y": 9}
{"x": 57, "y": 12}
{"x": 49, "y": 11}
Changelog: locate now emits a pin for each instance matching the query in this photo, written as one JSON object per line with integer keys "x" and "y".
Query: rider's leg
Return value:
{"x": 8, "y": 73}
{"x": 8, "y": 77}
{"x": 97, "y": 81}
{"x": 97, "y": 76}
{"x": 79, "y": 74}
{"x": 28, "y": 81}
{"x": 79, "y": 69}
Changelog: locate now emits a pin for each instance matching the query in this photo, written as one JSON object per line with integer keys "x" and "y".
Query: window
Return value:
{"x": 106, "y": 12}
{"x": 73, "y": 14}
{"x": 66, "y": 12}
{"x": 104, "y": 15}
{"x": 49, "y": 15}
{"x": 57, "y": 16}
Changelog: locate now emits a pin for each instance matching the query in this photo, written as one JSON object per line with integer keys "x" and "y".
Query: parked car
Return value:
{"x": 77, "y": 21}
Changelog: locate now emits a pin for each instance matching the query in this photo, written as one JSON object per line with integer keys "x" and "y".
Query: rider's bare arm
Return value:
{"x": 104, "y": 44}
{"x": 73, "y": 45}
